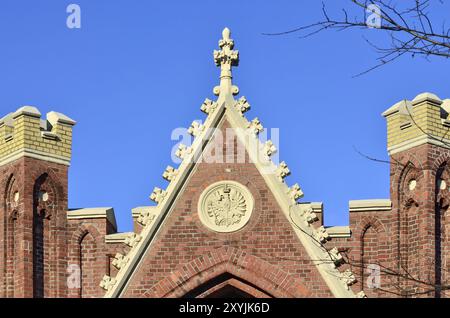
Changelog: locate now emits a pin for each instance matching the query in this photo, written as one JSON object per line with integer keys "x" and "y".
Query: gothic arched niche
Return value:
{"x": 409, "y": 189}
{"x": 9, "y": 219}
{"x": 45, "y": 238}
{"x": 442, "y": 228}
{"x": 88, "y": 278}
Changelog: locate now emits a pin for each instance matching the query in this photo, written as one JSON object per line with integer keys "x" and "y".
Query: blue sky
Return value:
{"x": 138, "y": 69}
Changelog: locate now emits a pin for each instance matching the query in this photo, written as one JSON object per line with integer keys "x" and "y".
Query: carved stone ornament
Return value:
{"x": 225, "y": 206}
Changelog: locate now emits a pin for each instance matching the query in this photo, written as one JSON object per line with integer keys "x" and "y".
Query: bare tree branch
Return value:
{"x": 408, "y": 24}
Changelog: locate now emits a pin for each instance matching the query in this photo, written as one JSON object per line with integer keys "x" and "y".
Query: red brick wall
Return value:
{"x": 37, "y": 243}
{"x": 265, "y": 258}
{"x": 88, "y": 251}
{"x": 265, "y": 252}
{"x": 403, "y": 241}
{"x": 29, "y": 177}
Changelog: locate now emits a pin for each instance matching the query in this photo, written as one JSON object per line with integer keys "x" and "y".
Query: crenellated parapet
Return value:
{"x": 425, "y": 119}
{"x": 25, "y": 133}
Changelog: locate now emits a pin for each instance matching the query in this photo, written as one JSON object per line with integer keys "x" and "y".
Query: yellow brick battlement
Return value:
{"x": 425, "y": 119}
{"x": 24, "y": 133}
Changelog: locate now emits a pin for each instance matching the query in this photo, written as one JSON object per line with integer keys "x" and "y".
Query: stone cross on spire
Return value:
{"x": 226, "y": 57}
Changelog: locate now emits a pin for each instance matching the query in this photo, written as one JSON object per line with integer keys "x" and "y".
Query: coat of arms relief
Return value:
{"x": 225, "y": 206}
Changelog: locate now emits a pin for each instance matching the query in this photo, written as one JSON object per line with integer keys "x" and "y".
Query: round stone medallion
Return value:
{"x": 225, "y": 206}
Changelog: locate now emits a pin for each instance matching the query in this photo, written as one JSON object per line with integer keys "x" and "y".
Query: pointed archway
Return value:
{"x": 227, "y": 285}
{"x": 227, "y": 273}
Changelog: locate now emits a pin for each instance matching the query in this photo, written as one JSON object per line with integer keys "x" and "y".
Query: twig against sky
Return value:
{"x": 408, "y": 24}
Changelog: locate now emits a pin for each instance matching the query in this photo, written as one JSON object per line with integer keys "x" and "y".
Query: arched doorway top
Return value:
{"x": 251, "y": 274}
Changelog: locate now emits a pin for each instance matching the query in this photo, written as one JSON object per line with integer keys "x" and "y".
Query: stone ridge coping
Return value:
{"x": 58, "y": 118}
{"x": 339, "y": 231}
{"x": 317, "y": 207}
{"x": 424, "y": 97}
{"x": 27, "y": 110}
{"x": 93, "y": 213}
{"x": 53, "y": 117}
{"x": 370, "y": 205}
{"x": 7, "y": 120}
{"x": 137, "y": 210}
{"x": 117, "y": 237}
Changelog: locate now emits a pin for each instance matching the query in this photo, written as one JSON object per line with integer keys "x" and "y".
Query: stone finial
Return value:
{"x": 321, "y": 235}
{"x": 242, "y": 105}
{"x": 157, "y": 195}
{"x": 282, "y": 171}
{"x": 195, "y": 129}
{"x": 361, "y": 294}
{"x": 226, "y": 57}
{"x": 120, "y": 261}
{"x": 183, "y": 151}
{"x": 348, "y": 278}
{"x": 269, "y": 148}
{"x": 255, "y": 126}
{"x": 336, "y": 256}
{"x": 133, "y": 239}
{"x": 295, "y": 192}
{"x": 146, "y": 217}
{"x": 310, "y": 216}
{"x": 208, "y": 106}
{"x": 170, "y": 173}
{"x": 107, "y": 282}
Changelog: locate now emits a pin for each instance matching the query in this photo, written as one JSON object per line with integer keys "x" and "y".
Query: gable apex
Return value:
{"x": 227, "y": 108}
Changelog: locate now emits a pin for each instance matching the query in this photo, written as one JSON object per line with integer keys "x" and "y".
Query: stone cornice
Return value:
{"x": 370, "y": 205}
{"x": 93, "y": 213}
{"x": 418, "y": 141}
{"x": 31, "y": 153}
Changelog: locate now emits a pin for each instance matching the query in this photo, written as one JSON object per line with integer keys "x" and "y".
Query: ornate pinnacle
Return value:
{"x": 226, "y": 57}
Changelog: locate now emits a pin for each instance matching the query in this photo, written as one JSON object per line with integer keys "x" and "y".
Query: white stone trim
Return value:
{"x": 55, "y": 118}
{"x": 27, "y": 110}
{"x": 339, "y": 231}
{"x": 117, "y": 237}
{"x": 93, "y": 213}
{"x": 136, "y": 212}
{"x": 426, "y": 97}
{"x": 370, "y": 205}
{"x": 165, "y": 207}
{"x": 31, "y": 153}
{"x": 306, "y": 233}
{"x": 418, "y": 141}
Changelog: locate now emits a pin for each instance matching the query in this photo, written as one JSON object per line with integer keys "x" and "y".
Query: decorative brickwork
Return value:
{"x": 397, "y": 247}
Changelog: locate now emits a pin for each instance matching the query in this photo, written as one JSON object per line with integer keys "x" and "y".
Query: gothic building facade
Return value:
{"x": 227, "y": 224}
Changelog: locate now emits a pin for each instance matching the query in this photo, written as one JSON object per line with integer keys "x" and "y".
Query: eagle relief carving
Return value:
{"x": 225, "y": 206}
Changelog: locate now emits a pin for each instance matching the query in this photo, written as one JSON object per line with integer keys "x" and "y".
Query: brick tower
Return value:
{"x": 419, "y": 147}
{"x": 35, "y": 155}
